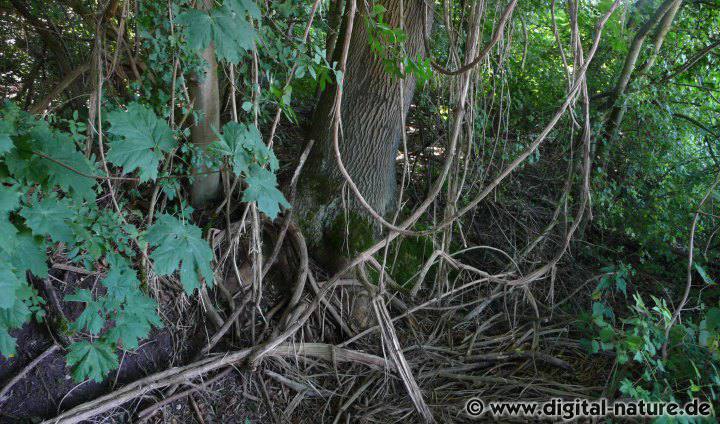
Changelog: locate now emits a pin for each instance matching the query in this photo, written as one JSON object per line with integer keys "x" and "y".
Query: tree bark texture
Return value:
{"x": 370, "y": 122}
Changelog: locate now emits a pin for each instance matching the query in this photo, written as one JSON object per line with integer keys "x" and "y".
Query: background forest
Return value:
{"x": 355, "y": 211}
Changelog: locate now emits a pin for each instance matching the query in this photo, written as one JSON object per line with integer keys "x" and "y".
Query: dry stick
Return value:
{"x": 291, "y": 75}
{"x": 660, "y": 33}
{"x": 566, "y": 68}
{"x": 417, "y": 308}
{"x": 27, "y": 369}
{"x": 392, "y": 343}
{"x": 636, "y": 46}
{"x": 690, "y": 63}
{"x": 343, "y": 326}
{"x": 539, "y": 272}
{"x": 363, "y": 256}
{"x": 101, "y": 148}
{"x": 257, "y": 279}
{"x": 303, "y": 273}
{"x": 293, "y": 189}
{"x": 180, "y": 375}
{"x": 271, "y": 344}
{"x": 222, "y": 330}
{"x": 62, "y": 85}
{"x": 225, "y": 327}
{"x": 460, "y": 108}
{"x": 344, "y": 407}
{"x": 691, "y": 249}
{"x": 406, "y": 160}
{"x": 151, "y": 410}
{"x": 289, "y": 79}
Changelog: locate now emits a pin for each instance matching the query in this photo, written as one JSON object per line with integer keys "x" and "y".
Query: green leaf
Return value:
{"x": 7, "y": 343}
{"x": 607, "y": 334}
{"x": 243, "y": 143}
{"x": 16, "y": 315}
{"x": 50, "y": 217}
{"x": 634, "y": 342}
{"x": 225, "y": 26}
{"x": 9, "y": 199}
{"x": 198, "y": 28}
{"x": 128, "y": 332}
{"x": 232, "y": 34}
{"x": 260, "y": 152}
{"x": 712, "y": 319}
{"x": 91, "y": 360}
{"x": 121, "y": 282}
{"x": 91, "y": 317}
{"x": 180, "y": 246}
{"x": 9, "y": 283}
{"x": 241, "y": 7}
{"x": 7, "y": 233}
{"x": 232, "y": 143}
{"x": 135, "y": 322}
{"x": 703, "y": 274}
{"x": 262, "y": 188}
{"x": 61, "y": 148}
{"x": 29, "y": 255}
{"x": 142, "y": 139}
{"x": 6, "y": 143}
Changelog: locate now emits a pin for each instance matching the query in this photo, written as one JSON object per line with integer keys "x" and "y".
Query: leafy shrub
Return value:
{"x": 48, "y": 201}
{"x": 691, "y": 369}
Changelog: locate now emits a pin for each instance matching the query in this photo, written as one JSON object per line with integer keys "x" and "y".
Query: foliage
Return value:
{"x": 48, "y": 197}
{"x": 177, "y": 243}
{"x": 247, "y": 155}
{"x": 637, "y": 339}
{"x": 225, "y": 26}
{"x": 142, "y": 139}
{"x": 387, "y": 44}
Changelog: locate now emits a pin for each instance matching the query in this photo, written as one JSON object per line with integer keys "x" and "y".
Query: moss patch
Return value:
{"x": 349, "y": 234}
{"x": 412, "y": 253}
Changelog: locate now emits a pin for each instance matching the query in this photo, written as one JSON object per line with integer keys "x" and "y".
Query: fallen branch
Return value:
{"x": 179, "y": 375}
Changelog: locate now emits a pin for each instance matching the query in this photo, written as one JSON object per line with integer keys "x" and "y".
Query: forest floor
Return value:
{"x": 499, "y": 355}
{"x": 461, "y": 337}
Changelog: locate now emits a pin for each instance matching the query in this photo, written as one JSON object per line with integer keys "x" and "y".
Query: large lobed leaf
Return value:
{"x": 142, "y": 138}
{"x": 180, "y": 246}
{"x": 244, "y": 145}
{"x": 50, "y": 217}
{"x": 91, "y": 360}
{"x": 225, "y": 26}
{"x": 68, "y": 169}
{"x": 262, "y": 188}
{"x": 248, "y": 154}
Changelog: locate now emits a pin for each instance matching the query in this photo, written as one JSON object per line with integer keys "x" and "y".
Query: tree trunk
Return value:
{"x": 370, "y": 128}
{"x": 206, "y": 94}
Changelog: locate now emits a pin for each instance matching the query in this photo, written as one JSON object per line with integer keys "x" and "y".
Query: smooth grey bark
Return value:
{"x": 206, "y": 94}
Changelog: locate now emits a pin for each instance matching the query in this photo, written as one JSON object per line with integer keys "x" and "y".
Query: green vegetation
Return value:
{"x": 547, "y": 171}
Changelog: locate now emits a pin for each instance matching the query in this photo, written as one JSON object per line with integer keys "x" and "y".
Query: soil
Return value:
{"x": 49, "y": 387}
